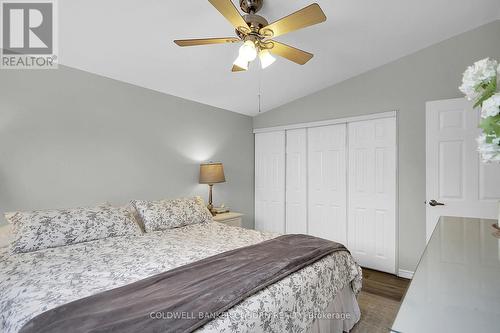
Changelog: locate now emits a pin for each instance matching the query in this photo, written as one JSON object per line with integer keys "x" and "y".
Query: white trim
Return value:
{"x": 397, "y": 191}
{"x": 372, "y": 116}
{"x": 429, "y": 186}
{"x": 405, "y": 274}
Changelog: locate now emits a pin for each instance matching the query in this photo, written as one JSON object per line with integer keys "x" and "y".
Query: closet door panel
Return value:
{"x": 372, "y": 193}
{"x": 270, "y": 181}
{"x": 327, "y": 182}
{"x": 296, "y": 181}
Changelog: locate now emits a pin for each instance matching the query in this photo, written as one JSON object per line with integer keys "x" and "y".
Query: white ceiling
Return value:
{"x": 131, "y": 41}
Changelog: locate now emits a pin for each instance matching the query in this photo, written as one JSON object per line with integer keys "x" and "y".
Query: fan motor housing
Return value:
{"x": 255, "y": 22}
{"x": 251, "y": 6}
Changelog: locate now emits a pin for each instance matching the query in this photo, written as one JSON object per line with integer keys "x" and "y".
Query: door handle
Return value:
{"x": 434, "y": 203}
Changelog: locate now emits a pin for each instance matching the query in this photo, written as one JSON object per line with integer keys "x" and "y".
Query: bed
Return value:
{"x": 32, "y": 283}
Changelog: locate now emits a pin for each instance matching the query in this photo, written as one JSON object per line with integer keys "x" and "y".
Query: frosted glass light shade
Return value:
{"x": 241, "y": 63}
{"x": 266, "y": 59}
{"x": 248, "y": 51}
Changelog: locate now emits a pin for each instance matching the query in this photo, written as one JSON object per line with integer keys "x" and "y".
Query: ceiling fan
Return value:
{"x": 256, "y": 33}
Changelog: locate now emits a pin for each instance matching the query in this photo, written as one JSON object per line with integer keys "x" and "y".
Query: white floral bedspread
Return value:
{"x": 32, "y": 283}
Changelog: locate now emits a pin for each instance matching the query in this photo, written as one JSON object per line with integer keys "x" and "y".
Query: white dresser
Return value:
{"x": 456, "y": 287}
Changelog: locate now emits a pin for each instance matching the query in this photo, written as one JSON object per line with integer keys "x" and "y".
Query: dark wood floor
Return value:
{"x": 379, "y": 301}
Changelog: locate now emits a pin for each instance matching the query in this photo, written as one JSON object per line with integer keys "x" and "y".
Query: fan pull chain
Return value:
{"x": 259, "y": 95}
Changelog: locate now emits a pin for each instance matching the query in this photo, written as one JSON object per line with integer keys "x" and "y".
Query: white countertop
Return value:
{"x": 456, "y": 287}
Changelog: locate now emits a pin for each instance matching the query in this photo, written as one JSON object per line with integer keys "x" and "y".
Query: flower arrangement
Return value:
{"x": 480, "y": 84}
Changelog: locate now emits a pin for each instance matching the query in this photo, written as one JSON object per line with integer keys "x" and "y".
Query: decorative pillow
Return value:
{"x": 39, "y": 230}
{"x": 134, "y": 213}
{"x": 168, "y": 214}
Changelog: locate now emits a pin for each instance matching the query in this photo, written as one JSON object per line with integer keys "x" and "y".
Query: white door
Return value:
{"x": 296, "y": 181}
{"x": 327, "y": 194}
{"x": 270, "y": 181}
{"x": 372, "y": 193}
{"x": 457, "y": 182}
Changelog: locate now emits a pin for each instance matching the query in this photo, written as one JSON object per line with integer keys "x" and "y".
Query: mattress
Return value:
{"x": 32, "y": 283}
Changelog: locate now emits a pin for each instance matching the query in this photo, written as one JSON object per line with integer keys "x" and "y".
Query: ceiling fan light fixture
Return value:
{"x": 255, "y": 33}
{"x": 241, "y": 62}
{"x": 266, "y": 59}
{"x": 248, "y": 51}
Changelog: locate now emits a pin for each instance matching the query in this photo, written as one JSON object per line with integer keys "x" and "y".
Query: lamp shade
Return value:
{"x": 212, "y": 173}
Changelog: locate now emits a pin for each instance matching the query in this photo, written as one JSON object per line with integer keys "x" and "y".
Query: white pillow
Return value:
{"x": 43, "y": 229}
{"x": 168, "y": 214}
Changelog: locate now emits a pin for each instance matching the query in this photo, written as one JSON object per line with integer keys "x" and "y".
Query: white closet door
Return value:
{"x": 327, "y": 182}
{"x": 372, "y": 193}
{"x": 296, "y": 181}
{"x": 270, "y": 181}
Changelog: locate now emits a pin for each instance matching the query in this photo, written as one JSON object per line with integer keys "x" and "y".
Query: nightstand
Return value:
{"x": 231, "y": 218}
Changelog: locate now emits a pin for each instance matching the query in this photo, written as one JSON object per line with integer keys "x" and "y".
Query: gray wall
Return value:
{"x": 70, "y": 138}
{"x": 405, "y": 85}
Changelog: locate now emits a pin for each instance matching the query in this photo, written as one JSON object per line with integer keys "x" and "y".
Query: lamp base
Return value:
{"x": 210, "y": 206}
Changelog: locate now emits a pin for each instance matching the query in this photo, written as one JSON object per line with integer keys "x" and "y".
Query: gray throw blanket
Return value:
{"x": 185, "y": 298}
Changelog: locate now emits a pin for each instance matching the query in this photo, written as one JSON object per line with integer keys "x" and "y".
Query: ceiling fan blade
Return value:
{"x": 229, "y": 11}
{"x": 291, "y": 53}
{"x": 303, "y": 18}
{"x": 206, "y": 41}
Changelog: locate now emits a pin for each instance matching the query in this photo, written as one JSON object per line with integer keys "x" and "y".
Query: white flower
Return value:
{"x": 485, "y": 69}
{"x": 481, "y": 72}
{"x": 490, "y": 152}
{"x": 491, "y": 106}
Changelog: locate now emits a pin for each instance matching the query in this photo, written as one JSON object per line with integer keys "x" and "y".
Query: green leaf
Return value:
{"x": 489, "y": 89}
{"x": 491, "y": 127}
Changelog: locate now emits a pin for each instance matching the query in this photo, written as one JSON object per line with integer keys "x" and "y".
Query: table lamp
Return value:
{"x": 211, "y": 173}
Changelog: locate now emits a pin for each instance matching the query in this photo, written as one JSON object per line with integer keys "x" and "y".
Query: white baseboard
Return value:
{"x": 405, "y": 274}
